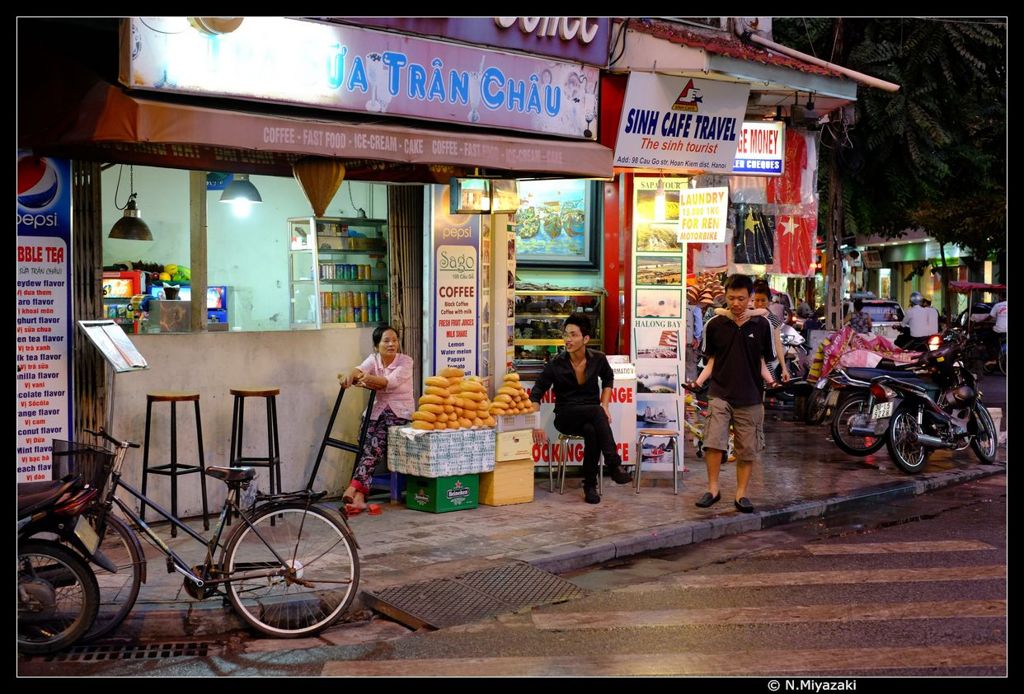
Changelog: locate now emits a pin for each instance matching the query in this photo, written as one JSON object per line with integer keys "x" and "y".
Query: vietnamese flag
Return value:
{"x": 795, "y": 238}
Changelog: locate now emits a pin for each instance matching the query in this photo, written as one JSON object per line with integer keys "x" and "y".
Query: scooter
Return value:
{"x": 942, "y": 409}
{"x": 58, "y": 595}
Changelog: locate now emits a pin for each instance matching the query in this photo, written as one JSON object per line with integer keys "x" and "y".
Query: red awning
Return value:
{"x": 964, "y": 287}
{"x": 114, "y": 126}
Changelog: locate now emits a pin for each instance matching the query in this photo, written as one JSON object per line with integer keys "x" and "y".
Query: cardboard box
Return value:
{"x": 440, "y": 453}
{"x": 510, "y": 483}
{"x": 442, "y": 494}
{"x": 517, "y": 422}
{"x": 513, "y": 445}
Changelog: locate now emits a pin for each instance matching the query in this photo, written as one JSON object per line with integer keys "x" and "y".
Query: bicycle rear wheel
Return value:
{"x": 320, "y": 570}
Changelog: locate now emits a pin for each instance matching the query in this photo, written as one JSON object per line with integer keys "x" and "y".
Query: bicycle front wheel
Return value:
{"x": 119, "y": 590}
{"x": 293, "y": 572}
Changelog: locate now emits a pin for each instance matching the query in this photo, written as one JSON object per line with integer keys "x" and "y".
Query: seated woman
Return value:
{"x": 859, "y": 319}
{"x": 390, "y": 374}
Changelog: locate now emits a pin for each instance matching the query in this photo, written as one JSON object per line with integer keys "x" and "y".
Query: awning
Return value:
{"x": 965, "y": 287}
{"x": 111, "y": 125}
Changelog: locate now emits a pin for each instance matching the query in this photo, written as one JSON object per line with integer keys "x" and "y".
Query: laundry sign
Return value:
{"x": 680, "y": 123}
{"x": 702, "y": 214}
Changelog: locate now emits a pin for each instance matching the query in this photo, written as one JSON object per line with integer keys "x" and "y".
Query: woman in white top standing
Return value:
{"x": 390, "y": 374}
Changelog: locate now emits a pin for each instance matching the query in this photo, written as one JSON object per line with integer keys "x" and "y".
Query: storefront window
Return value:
{"x": 148, "y": 284}
{"x": 137, "y": 273}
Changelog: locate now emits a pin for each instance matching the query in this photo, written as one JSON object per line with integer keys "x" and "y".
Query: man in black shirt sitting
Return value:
{"x": 581, "y": 408}
{"x": 734, "y": 346}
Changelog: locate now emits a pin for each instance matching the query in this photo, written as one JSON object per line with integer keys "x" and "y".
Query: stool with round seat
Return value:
{"x": 272, "y": 461}
{"x": 174, "y": 469}
{"x": 563, "y": 444}
{"x": 642, "y": 436}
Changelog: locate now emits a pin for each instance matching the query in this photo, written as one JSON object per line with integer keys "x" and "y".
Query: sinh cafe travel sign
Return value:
{"x": 356, "y": 69}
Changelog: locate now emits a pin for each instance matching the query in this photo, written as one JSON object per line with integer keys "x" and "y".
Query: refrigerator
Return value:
{"x": 119, "y": 288}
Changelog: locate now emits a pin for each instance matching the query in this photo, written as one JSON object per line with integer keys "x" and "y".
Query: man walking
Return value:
{"x": 581, "y": 408}
{"x": 734, "y": 346}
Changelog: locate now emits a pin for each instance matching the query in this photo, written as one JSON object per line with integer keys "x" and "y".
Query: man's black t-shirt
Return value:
{"x": 737, "y": 349}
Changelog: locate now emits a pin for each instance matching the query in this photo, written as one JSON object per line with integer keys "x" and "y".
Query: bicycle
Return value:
{"x": 694, "y": 411}
{"x": 288, "y": 569}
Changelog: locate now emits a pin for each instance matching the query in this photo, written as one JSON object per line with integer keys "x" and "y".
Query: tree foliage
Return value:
{"x": 932, "y": 154}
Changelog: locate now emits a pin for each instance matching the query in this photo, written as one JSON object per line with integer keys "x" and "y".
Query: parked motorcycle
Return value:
{"x": 940, "y": 408}
{"x": 916, "y": 344}
{"x": 58, "y": 595}
{"x": 852, "y": 415}
{"x": 795, "y": 352}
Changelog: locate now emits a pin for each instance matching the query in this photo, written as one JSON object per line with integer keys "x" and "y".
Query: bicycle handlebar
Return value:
{"x": 104, "y": 435}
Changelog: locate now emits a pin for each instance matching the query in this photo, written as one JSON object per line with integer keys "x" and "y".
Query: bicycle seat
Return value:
{"x": 231, "y": 474}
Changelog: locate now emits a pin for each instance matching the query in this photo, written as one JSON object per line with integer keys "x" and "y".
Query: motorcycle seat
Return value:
{"x": 864, "y": 374}
{"x": 33, "y": 496}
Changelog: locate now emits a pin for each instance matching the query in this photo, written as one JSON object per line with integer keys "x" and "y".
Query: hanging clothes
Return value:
{"x": 785, "y": 189}
{"x": 794, "y": 238}
{"x": 754, "y": 237}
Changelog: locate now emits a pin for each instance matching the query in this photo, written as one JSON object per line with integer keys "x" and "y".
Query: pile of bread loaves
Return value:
{"x": 452, "y": 400}
{"x": 511, "y": 399}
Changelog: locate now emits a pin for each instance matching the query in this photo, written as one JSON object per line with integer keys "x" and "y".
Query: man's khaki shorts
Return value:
{"x": 747, "y": 423}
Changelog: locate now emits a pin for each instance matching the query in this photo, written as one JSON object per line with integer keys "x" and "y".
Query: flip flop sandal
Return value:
{"x": 371, "y": 510}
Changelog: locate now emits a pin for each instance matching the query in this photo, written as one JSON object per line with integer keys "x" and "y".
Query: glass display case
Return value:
{"x": 338, "y": 272}
{"x": 539, "y": 317}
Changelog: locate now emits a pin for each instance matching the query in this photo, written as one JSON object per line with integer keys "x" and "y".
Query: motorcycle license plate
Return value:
{"x": 85, "y": 532}
{"x": 833, "y": 398}
{"x": 882, "y": 410}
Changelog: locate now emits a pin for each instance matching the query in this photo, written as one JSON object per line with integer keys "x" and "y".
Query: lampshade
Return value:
{"x": 130, "y": 226}
{"x": 241, "y": 190}
{"x": 320, "y": 178}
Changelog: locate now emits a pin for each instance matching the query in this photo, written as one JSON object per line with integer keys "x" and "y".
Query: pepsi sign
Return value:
{"x": 44, "y": 196}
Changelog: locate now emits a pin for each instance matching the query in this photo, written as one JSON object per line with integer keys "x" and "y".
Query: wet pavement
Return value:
{"x": 802, "y": 475}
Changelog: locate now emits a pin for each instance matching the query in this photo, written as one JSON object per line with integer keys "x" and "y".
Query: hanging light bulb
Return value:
{"x": 130, "y": 227}
{"x": 241, "y": 190}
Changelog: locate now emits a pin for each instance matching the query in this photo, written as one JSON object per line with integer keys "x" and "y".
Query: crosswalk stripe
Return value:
{"x": 809, "y": 578}
{"x": 898, "y": 547}
{"x": 758, "y": 663}
{"x": 776, "y": 614}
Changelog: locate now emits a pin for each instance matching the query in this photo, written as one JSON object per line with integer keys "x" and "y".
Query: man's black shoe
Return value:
{"x": 620, "y": 476}
{"x": 743, "y": 505}
{"x": 707, "y": 500}
{"x": 590, "y": 495}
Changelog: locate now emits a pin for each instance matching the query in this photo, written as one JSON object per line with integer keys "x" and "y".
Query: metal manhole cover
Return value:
{"x": 471, "y": 596}
{"x": 130, "y": 651}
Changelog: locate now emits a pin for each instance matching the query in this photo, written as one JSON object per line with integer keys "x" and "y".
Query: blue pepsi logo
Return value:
{"x": 38, "y": 183}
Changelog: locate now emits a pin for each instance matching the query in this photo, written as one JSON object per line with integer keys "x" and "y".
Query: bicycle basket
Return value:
{"x": 90, "y": 463}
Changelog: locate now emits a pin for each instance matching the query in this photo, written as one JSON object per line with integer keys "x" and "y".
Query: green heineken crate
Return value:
{"x": 442, "y": 494}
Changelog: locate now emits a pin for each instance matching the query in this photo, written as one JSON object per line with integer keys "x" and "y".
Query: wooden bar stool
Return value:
{"x": 563, "y": 443}
{"x": 642, "y": 436}
{"x": 174, "y": 469}
{"x": 272, "y": 461}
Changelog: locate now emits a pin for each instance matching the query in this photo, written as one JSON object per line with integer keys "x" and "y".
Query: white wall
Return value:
{"x": 303, "y": 364}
